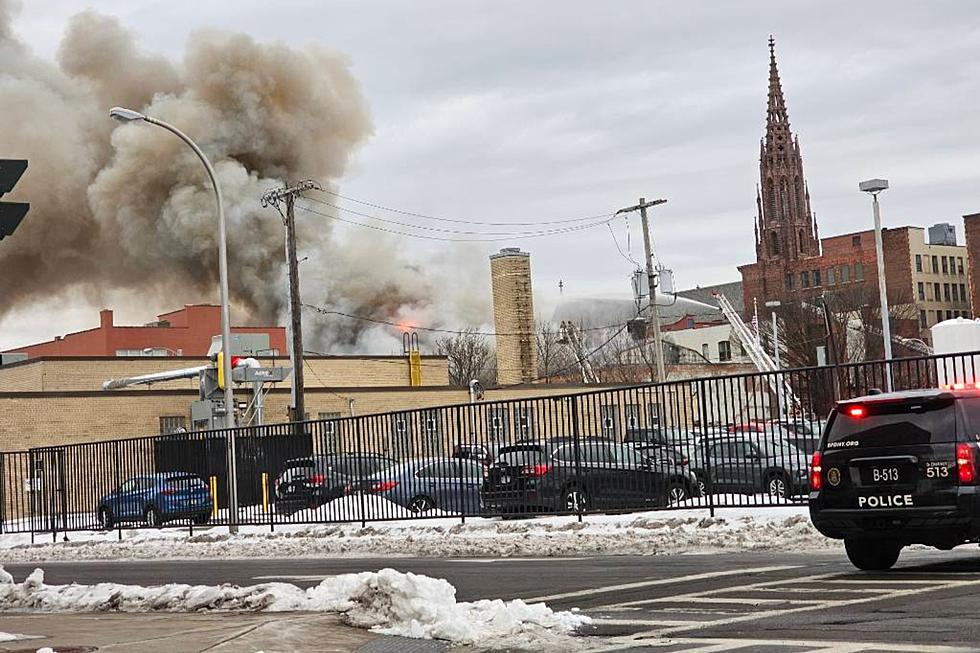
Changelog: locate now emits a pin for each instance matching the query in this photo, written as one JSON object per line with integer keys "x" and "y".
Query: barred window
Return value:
{"x": 172, "y": 424}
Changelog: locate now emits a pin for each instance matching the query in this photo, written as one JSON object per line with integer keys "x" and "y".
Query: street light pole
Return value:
{"x": 875, "y": 186}
{"x": 128, "y": 115}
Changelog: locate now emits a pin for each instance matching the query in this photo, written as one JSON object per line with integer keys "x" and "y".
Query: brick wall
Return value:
{"x": 971, "y": 224}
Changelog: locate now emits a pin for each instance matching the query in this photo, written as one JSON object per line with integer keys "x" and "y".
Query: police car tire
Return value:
{"x": 871, "y": 554}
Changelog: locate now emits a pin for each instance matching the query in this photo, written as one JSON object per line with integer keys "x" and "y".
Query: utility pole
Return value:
{"x": 654, "y": 318}
{"x": 287, "y": 196}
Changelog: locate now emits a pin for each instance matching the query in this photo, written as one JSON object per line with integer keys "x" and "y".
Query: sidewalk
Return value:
{"x": 188, "y": 633}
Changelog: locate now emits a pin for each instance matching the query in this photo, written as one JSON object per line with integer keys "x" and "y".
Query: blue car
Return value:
{"x": 449, "y": 484}
{"x": 155, "y": 499}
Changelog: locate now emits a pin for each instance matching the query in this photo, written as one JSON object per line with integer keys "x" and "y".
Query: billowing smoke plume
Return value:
{"x": 128, "y": 207}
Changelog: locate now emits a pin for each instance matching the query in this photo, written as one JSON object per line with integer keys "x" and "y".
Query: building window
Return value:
{"x": 431, "y": 434}
{"x": 949, "y": 315}
{"x": 172, "y": 424}
{"x": 816, "y": 278}
{"x": 956, "y": 292}
{"x": 789, "y": 281}
{"x": 773, "y": 243}
{"x": 945, "y": 266}
{"x": 331, "y": 439}
{"x": 610, "y": 420}
{"x": 963, "y": 291}
{"x": 525, "y": 422}
{"x": 923, "y": 320}
{"x": 845, "y": 273}
{"x": 724, "y": 351}
{"x": 859, "y": 271}
{"x": 856, "y": 240}
{"x": 959, "y": 265}
{"x": 632, "y": 416}
{"x": 498, "y": 423}
{"x": 804, "y": 279}
{"x": 952, "y": 265}
{"x": 653, "y": 414}
{"x": 830, "y": 277}
{"x": 918, "y": 262}
{"x": 935, "y": 265}
{"x": 956, "y": 313}
{"x": 936, "y": 294}
{"x": 922, "y": 291}
{"x": 946, "y": 292}
{"x": 705, "y": 352}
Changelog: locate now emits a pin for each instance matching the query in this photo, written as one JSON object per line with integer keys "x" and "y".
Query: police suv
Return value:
{"x": 899, "y": 468}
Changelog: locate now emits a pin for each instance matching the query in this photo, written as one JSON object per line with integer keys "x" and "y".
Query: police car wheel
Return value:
{"x": 871, "y": 554}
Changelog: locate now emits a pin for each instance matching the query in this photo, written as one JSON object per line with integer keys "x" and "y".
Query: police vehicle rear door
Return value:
{"x": 892, "y": 454}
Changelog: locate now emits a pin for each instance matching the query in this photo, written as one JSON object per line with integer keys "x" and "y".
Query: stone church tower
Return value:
{"x": 785, "y": 229}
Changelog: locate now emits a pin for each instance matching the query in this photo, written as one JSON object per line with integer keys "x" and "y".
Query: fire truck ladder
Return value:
{"x": 763, "y": 361}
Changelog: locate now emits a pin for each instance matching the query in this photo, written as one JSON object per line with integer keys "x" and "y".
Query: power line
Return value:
{"x": 629, "y": 259}
{"x": 453, "y": 240}
{"x": 410, "y": 225}
{"x": 363, "y": 318}
{"x": 460, "y": 221}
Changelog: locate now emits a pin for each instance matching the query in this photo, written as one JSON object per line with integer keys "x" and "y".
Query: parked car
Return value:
{"x": 312, "y": 481}
{"x": 750, "y": 463}
{"x": 568, "y": 475}
{"x": 156, "y": 499}
{"x": 802, "y": 433}
{"x": 424, "y": 484}
{"x": 480, "y": 453}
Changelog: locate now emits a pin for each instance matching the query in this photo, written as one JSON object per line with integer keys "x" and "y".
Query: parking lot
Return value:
{"x": 746, "y": 601}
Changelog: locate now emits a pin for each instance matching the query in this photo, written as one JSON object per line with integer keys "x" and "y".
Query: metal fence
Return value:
{"x": 725, "y": 441}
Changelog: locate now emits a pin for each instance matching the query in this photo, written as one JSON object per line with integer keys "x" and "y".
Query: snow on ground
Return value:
{"x": 685, "y": 530}
{"x": 387, "y": 601}
{"x": 14, "y": 637}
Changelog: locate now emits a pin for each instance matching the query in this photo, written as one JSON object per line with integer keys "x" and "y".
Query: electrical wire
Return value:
{"x": 363, "y": 318}
{"x": 612, "y": 233}
{"x": 435, "y": 229}
{"x": 459, "y": 221}
{"x": 397, "y": 232}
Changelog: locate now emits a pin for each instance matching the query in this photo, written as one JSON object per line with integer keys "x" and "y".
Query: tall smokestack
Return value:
{"x": 513, "y": 314}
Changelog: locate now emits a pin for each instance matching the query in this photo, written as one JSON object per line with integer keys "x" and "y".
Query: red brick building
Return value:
{"x": 184, "y": 332}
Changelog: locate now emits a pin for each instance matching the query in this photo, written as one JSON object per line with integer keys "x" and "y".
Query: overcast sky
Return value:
{"x": 517, "y": 110}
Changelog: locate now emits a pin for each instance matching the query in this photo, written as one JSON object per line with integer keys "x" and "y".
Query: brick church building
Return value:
{"x": 925, "y": 279}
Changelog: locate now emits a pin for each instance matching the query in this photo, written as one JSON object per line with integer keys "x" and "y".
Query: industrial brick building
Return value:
{"x": 184, "y": 332}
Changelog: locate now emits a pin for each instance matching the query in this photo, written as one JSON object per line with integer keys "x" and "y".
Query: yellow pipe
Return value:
{"x": 265, "y": 492}
{"x": 214, "y": 496}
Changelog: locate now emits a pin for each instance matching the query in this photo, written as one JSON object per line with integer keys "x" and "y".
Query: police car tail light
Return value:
{"x": 966, "y": 464}
{"x": 856, "y": 411}
{"x": 816, "y": 471}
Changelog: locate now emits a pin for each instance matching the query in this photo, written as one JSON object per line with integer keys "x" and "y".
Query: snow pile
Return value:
{"x": 655, "y": 532}
{"x": 388, "y": 601}
{"x": 13, "y": 637}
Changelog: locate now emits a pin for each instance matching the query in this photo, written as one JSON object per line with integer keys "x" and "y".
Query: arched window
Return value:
{"x": 802, "y": 240}
{"x": 773, "y": 243}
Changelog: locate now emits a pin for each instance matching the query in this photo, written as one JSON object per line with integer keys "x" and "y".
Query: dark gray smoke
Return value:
{"x": 128, "y": 207}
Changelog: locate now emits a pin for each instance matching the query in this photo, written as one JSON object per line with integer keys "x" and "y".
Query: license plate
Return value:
{"x": 885, "y": 475}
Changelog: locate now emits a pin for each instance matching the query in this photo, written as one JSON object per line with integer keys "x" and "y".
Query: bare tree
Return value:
{"x": 471, "y": 356}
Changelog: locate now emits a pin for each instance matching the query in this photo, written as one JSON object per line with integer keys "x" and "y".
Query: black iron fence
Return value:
{"x": 728, "y": 441}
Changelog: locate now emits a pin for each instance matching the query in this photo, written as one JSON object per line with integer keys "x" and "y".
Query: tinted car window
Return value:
{"x": 627, "y": 456}
{"x": 442, "y": 469}
{"x": 888, "y": 424}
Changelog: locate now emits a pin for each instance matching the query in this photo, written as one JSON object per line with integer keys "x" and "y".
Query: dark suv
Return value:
{"x": 312, "y": 481}
{"x": 897, "y": 469}
{"x": 568, "y": 475}
{"x": 750, "y": 463}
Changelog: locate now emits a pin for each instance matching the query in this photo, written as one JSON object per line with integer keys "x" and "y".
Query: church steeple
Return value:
{"x": 787, "y": 230}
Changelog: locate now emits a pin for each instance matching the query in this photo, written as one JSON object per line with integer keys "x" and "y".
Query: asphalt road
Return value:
{"x": 773, "y": 602}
